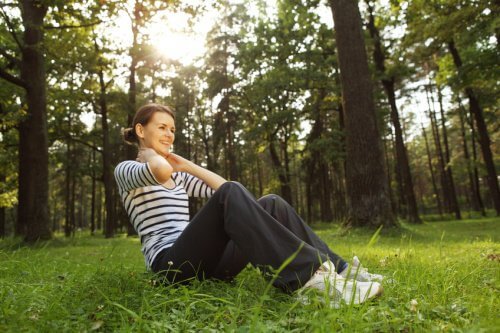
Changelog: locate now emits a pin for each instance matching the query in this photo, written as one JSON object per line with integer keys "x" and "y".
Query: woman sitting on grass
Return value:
{"x": 231, "y": 230}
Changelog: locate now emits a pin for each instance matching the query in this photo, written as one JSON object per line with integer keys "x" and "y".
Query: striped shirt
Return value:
{"x": 158, "y": 214}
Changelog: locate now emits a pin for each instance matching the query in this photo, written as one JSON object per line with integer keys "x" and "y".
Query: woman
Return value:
{"x": 231, "y": 230}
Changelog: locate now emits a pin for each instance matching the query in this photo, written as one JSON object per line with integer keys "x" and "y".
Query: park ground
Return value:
{"x": 445, "y": 278}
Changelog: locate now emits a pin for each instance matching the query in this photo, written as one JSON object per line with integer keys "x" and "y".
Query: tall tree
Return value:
{"x": 448, "y": 169}
{"x": 33, "y": 217}
{"x": 474, "y": 192}
{"x": 461, "y": 32}
{"x": 482, "y": 131}
{"x": 388, "y": 82}
{"x": 366, "y": 179}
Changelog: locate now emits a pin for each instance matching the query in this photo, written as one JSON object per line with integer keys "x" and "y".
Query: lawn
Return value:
{"x": 446, "y": 277}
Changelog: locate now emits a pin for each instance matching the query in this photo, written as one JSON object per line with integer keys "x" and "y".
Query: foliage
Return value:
{"x": 275, "y": 65}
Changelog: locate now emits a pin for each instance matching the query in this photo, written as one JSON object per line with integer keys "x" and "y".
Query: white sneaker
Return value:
{"x": 340, "y": 289}
{"x": 360, "y": 273}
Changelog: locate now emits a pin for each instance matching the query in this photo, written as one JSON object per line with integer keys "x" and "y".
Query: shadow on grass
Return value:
{"x": 480, "y": 229}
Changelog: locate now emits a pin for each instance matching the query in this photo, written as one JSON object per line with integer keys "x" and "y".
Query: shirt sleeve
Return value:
{"x": 194, "y": 186}
{"x": 130, "y": 175}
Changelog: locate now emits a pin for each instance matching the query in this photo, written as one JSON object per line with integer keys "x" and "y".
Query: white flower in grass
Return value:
{"x": 170, "y": 263}
{"x": 413, "y": 305}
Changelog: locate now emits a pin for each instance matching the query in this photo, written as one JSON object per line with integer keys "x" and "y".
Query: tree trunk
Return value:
{"x": 231, "y": 165}
{"x": 401, "y": 153}
{"x": 93, "y": 194}
{"x": 431, "y": 169}
{"x": 366, "y": 180}
{"x": 33, "y": 216}
{"x": 99, "y": 207}
{"x": 2, "y": 212}
{"x": 474, "y": 162}
{"x": 286, "y": 190}
{"x": 67, "y": 220}
{"x": 389, "y": 179}
{"x": 107, "y": 177}
{"x": 2, "y": 222}
{"x": 449, "y": 173}
{"x": 482, "y": 133}
{"x": 439, "y": 151}
{"x": 72, "y": 219}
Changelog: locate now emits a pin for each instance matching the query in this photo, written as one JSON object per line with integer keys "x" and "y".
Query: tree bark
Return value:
{"x": 366, "y": 179}
{"x": 482, "y": 133}
{"x": 33, "y": 214}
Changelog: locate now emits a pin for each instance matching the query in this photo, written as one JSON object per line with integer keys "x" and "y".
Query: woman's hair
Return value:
{"x": 143, "y": 116}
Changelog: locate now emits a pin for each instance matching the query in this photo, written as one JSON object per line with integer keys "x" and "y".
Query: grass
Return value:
{"x": 446, "y": 278}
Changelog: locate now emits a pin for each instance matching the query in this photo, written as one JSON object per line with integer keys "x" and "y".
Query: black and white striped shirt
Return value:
{"x": 158, "y": 214}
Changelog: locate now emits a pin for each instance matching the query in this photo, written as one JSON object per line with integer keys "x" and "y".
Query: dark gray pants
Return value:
{"x": 233, "y": 229}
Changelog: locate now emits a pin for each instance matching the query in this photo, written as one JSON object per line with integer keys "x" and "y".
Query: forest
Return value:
{"x": 365, "y": 113}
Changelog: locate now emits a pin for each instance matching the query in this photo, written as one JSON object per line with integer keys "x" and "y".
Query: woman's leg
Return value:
{"x": 287, "y": 216}
{"x": 232, "y": 214}
{"x": 233, "y": 260}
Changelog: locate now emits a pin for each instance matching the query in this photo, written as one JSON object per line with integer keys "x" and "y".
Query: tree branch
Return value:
{"x": 84, "y": 25}
{"x": 68, "y": 136}
{"x": 86, "y": 144}
{"x": 11, "y": 29}
{"x": 12, "y": 79}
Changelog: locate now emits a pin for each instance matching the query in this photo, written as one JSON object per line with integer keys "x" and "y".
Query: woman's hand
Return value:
{"x": 160, "y": 167}
{"x": 178, "y": 162}
{"x": 146, "y": 154}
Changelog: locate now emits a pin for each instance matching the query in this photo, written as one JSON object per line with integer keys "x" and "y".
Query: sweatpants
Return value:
{"x": 233, "y": 229}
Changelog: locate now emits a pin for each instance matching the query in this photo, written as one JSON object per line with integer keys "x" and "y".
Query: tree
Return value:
{"x": 33, "y": 217}
{"x": 366, "y": 179}
{"x": 388, "y": 80}
{"x": 452, "y": 29}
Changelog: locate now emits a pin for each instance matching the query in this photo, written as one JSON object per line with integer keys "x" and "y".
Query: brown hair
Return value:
{"x": 143, "y": 116}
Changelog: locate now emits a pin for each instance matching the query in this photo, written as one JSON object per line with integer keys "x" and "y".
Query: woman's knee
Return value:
{"x": 273, "y": 203}
{"x": 231, "y": 186}
{"x": 267, "y": 199}
{"x": 271, "y": 199}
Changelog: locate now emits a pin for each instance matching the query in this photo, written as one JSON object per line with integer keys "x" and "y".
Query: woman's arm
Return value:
{"x": 160, "y": 167}
{"x": 179, "y": 163}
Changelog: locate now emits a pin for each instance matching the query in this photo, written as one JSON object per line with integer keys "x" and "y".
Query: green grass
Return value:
{"x": 449, "y": 270}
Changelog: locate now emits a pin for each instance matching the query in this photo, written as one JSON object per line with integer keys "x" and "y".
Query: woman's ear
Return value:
{"x": 139, "y": 131}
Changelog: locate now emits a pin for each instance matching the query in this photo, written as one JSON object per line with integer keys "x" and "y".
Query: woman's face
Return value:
{"x": 158, "y": 133}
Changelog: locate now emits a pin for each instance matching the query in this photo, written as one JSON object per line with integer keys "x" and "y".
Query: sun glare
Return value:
{"x": 172, "y": 37}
